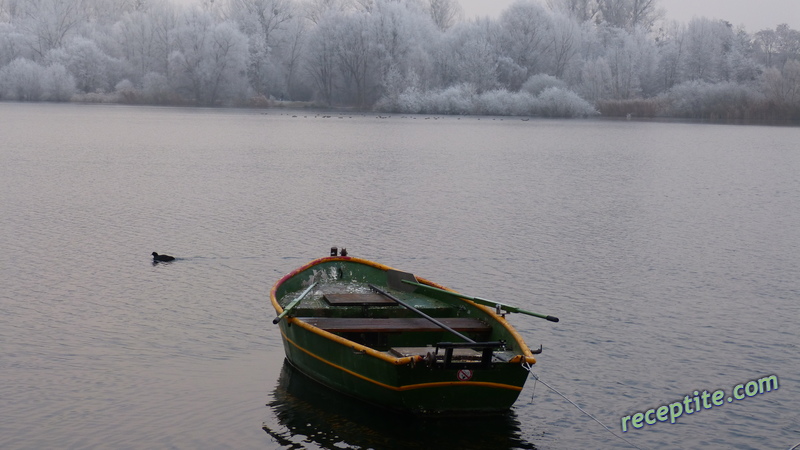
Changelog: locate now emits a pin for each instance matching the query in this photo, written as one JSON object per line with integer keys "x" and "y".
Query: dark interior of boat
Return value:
{"x": 378, "y": 322}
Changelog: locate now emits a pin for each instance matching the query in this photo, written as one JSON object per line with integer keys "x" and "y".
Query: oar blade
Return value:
{"x": 395, "y": 280}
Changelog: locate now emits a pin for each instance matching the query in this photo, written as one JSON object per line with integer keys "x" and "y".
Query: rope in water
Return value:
{"x": 529, "y": 368}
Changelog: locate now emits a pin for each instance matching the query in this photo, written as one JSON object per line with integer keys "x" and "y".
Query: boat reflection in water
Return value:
{"x": 314, "y": 416}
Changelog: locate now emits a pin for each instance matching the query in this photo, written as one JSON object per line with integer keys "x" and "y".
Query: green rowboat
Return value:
{"x": 398, "y": 341}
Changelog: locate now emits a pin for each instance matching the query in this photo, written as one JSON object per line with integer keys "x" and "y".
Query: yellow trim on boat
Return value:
{"x": 354, "y": 345}
{"x": 407, "y": 387}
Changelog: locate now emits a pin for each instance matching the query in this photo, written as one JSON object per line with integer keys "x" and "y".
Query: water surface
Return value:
{"x": 670, "y": 252}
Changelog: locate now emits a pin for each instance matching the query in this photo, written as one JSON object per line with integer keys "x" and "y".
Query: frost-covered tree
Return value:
{"x": 783, "y": 87}
{"x": 788, "y": 44}
{"x": 671, "y": 54}
{"x": 291, "y": 54}
{"x": 261, "y": 21}
{"x": 107, "y": 12}
{"x": 144, "y": 39}
{"x": 261, "y": 18}
{"x": 444, "y": 13}
{"x": 566, "y": 42}
{"x": 631, "y": 57}
{"x": 474, "y": 55}
{"x": 353, "y": 51}
{"x": 629, "y": 14}
{"x": 208, "y": 65}
{"x": 320, "y": 60}
{"x": 778, "y": 46}
{"x": 12, "y": 43}
{"x": 707, "y": 43}
{"x": 138, "y": 43}
{"x": 526, "y": 35}
{"x": 740, "y": 64}
{"x": 418, "y": 55}
{"x": 6, "y": 10}
{"x": 316, "y": 10}
{"x": 402, "y": 38}
{"x": 579, "y": 10}
{"x": 49, "y": 23}
{"x": 595, "y": 80}
{"x": 767, "y": 40}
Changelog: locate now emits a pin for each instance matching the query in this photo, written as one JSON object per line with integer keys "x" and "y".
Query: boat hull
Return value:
{"x": 417, "y": 383}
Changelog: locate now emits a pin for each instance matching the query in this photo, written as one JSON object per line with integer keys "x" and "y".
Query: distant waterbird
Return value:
{"x": 162, "y": 258}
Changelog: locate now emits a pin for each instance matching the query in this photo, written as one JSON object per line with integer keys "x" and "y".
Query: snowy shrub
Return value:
{"x": 463, "y": 99}
{"x": 501, "y": 102}
{"x": 21, "y": 80}
{"x": 496, "y": 102}
{"x": 126, "y": 91}
{"x": 558, "y": 102}
{"x": 155, "y": 88}
{"x": 410, "y": 101}
{"x": 703, "y": 100}
{"x": 536, "y": 84}
{"x": 25, "y": 80}
{"x": 401, "y": 93}
{"x": 59, "y": 83}
{"x": 453, "y": 100}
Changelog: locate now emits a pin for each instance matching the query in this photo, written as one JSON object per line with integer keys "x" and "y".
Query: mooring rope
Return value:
{"x": 529, "y": 368}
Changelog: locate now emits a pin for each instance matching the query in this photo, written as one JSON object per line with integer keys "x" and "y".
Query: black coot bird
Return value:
{"x": 162, "y": 258}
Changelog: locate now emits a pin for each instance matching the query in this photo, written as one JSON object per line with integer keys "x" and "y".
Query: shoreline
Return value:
{"x": 309, "y": 107}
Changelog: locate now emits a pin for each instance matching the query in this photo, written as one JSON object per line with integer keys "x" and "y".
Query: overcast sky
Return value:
{"x": 755, "y": 15}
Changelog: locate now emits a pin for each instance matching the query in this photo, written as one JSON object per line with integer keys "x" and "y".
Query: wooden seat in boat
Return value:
{"x": 394, "y": 325}
{"x": 358, "y": 299}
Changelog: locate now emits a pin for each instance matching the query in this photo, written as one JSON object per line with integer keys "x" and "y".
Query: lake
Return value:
{"x": 670, "y": 252}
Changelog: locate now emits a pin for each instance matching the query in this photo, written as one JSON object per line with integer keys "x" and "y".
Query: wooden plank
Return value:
{"x": 365, "y": 299}
{"x": 461, "y": 354}
{"x": 402, "y": 352}
{"x": 393, "y": 325}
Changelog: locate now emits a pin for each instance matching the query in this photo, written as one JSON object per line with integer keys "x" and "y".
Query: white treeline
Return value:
{"x": 560, "y": 58}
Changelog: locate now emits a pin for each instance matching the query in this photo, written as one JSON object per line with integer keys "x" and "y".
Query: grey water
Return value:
{"x": 670, "y": 252}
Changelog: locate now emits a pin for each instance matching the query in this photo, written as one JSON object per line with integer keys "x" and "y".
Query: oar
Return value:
{"x": 294, "y": 303}
{"x": 440, "y": 324}
{"x": 407, "y": 278}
